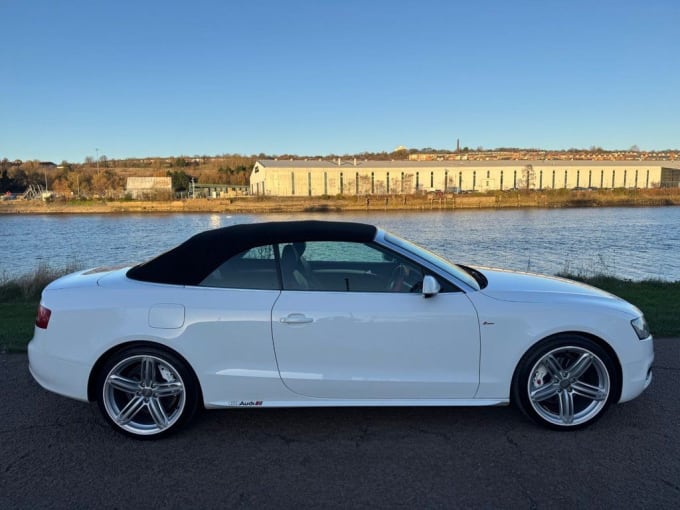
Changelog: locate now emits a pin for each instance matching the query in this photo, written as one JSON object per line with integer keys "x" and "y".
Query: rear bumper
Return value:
{"x": 56, "y": 374}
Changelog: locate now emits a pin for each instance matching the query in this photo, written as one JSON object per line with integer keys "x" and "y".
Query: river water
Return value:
{"x": 634, "y": 243}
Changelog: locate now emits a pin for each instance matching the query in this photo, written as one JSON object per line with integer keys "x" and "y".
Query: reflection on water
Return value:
{"x": 216, "y": 221}
{"x": 634, "y": 243}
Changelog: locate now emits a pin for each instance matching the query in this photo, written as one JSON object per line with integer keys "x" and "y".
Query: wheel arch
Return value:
{"x": 589, "y": 336}
{"x": 91, "y": 382}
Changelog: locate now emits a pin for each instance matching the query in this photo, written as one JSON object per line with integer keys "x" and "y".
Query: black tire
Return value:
{"x": 565, "y": 382}
{"x": 146, "y": 392}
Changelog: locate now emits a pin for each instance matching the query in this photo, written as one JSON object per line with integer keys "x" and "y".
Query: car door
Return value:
{"x": 382, "y": 343}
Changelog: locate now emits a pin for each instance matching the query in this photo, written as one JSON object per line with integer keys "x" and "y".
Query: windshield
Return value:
{"x": 434, "y": 259}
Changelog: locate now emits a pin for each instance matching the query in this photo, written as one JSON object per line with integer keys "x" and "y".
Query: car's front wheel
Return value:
{"x": 146, "y": 392}
{"x": 566, "y": 382}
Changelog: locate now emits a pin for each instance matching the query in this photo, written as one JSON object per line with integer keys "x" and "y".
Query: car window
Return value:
{"x": 342, "y": 251}
{"x": 252, "y": 269}
{"x": 342, "y": 266}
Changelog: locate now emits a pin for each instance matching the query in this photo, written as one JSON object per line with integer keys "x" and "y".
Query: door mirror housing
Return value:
{"x": 431, "y": 286}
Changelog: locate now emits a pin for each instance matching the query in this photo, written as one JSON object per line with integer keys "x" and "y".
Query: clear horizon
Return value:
{"x": 161, "y": 79}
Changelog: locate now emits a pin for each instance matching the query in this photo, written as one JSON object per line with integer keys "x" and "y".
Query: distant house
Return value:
{"x": 148, "y": 187}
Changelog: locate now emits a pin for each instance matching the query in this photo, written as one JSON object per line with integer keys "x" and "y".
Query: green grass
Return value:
{"x": 17, "y": 320}
{"x": 19, "y": 300}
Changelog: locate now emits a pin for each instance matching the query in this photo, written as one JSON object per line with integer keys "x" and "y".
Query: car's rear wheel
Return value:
{"x": 566, "y": 382}
{"x": 146, "y": 392}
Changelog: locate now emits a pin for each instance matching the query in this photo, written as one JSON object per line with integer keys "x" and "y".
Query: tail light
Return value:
{"x": 43, "y": 317}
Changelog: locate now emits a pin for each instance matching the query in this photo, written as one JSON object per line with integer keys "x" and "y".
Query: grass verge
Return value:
{"x": 19, "y": 301}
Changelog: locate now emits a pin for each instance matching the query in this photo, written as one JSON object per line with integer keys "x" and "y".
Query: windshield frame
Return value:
{"x": 437, "y": 261}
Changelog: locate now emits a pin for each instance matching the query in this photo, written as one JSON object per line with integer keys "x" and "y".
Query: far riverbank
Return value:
{"x": 267, "y": 205}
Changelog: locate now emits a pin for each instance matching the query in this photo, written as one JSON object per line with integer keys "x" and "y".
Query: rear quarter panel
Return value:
{"x": 224, "y": 334}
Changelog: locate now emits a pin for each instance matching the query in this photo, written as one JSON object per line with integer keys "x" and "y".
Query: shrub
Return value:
{"x": 29, "y": 286}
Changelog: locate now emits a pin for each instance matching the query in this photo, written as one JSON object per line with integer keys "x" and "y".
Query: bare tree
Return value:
{"x": 527, "y": 179}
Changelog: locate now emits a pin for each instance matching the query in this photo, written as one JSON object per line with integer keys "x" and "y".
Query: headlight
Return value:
{"x": 641, "y": 328}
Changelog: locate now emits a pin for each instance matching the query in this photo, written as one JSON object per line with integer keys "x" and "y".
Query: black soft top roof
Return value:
{"x": 194, "y": 259}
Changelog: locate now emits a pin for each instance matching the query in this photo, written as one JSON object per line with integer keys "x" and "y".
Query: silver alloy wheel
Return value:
{"x": 568, "y": 386}
{"x": 144, "y": 394}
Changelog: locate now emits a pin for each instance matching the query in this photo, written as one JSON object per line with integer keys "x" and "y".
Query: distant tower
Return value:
{"x": 457, "y": 144}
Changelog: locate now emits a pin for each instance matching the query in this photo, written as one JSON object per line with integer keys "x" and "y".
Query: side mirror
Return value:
{"x": 431, "y": 286}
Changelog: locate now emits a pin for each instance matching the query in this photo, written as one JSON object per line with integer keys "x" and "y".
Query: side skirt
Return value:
{"x": 359, "y": 403}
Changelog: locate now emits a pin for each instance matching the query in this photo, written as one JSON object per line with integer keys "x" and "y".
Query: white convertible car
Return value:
{"x": 311, "y": 313}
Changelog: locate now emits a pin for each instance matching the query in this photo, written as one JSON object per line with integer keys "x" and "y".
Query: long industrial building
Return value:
{"x": 361, "y": 177}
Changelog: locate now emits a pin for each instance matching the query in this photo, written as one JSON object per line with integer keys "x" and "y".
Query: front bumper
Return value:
{"x": 637, "y": 375}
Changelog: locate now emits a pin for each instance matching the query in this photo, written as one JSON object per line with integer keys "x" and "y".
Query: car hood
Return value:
{"x": 533, "y": 288}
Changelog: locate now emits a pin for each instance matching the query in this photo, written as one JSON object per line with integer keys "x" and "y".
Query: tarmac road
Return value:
{"x": 59, "y": 453}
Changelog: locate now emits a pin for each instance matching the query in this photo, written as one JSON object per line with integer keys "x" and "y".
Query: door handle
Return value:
{"x": 296, "y": 318}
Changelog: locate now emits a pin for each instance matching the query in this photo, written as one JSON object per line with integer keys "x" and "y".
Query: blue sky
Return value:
{"x": 146, "y": 78}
